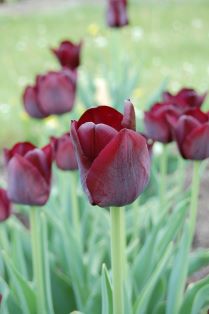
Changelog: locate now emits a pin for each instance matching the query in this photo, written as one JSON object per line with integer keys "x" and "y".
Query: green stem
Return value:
{"x": 38, "y": 271}
{"x": 74, "y": 203}
{"x": 163, "y": 173}
{"x": 180, "y": 174}
{"x": 194, "y": 199}
{"x": 117, "y": 254}
{"x": 46, "y": 265}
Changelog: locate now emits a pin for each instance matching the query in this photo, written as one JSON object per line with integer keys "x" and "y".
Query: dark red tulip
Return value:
{"x": 185, "y": 98}
{"x": 113, "y": 158}
{"x": 117, "y": 13}
{"x": 29, "y": 173}
{"x": 53, "y": 93}
{"x": 64, "y": 154}
{"x": 192, "y": 133}
{"x": 68, "y": 54}
{"x": 5, "y": 205}
{"x": 157, "y": 124}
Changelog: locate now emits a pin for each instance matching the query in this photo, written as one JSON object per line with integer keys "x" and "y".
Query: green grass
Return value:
{"x": 164, "y": 40}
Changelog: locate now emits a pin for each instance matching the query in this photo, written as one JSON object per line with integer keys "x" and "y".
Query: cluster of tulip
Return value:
{"x": 179, "y": 117}
{"x": 112, "y": 157}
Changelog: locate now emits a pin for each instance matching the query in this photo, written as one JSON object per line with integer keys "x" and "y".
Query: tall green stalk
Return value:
{"x": 118, "y": 258}
{"x": 38, "y": 268}
{"x": 74, "y": 203}
{"x": 163, "y": 175}
{"x": 194, "y": 199}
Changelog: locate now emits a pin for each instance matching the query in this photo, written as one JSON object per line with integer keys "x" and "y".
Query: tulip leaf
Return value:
{"x": 201, "y": 300}
{"x": 191, "y": 293}
{"x": 4, "y": 291}
{"x": 22, "y": 288}
{"x": 157, "y": 295}
{"x": 107, "y": 305}
{"x": 143, "y": 299}
{"x": 62, "y": 292}
{"x": 178, "y": 275}
{"x": 197, "y": 260}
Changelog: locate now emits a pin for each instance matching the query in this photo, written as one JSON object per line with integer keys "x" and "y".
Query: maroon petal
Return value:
{"x": 26, "y": 185}
{"x": 184, "y": 127}
{"x": 94, "y": 137}
{"x": 83, "y": 162}
{"x": 196, "y": 144}
{"x": 19, "y": 148}
{"x": 38, "y": 159}
{"x": 129, "y": 118}
{"x": 56, "y": 93}
{"x": 64, "y": 152}
{"x": 102, "y": 114}
{"x": 120, "y": 172}
{"x": 5, "y": 205}
{"x": 31, "y": 103}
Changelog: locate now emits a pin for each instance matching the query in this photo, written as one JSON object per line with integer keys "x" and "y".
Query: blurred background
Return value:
{"x": 166, "y": 45}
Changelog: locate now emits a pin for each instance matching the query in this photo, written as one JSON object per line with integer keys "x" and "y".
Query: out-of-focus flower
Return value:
{"x": 113, "y": 158}
{"x": 191, "y": 133}
{"x": 93, "y": 29}
{"x": 185, "y": 98}
{"x": 28, "y": 173}
{"x": 117, "y": 13}
{"x": 64, "y": 154}
{"x": 5, "y": 207}
{"x": 157, "y": 124}
{"x": 53, "y": 93}
{"x": 68, "y": 54}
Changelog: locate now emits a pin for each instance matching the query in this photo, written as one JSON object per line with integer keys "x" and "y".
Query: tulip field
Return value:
{"x": 104, "y": 151}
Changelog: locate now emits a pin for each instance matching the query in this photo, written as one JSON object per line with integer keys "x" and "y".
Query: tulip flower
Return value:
{"x": 185, "y": 98}
{"x": 64, "y": 154}
{"x": 113, "y": 158}
{"x": 117, "y": 13}
{"x": 68, "y": 54}
{"x": 191, "y": 132}
{"x": 157, "y": 124}
{"x": 53, "y": 93}
{"x": 5, "y": 205}
{"x": 29, "y": 173}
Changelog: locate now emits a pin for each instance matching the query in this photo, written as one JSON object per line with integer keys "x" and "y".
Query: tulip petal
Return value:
{"x": 120, "y": 172}
{"x": 196, "y": 144}
{"x": 56, "y": 93}
{"x": 31, "y": 103}
{"x": 129, "y": 118}
{"x": 5, "y": 206}
{"x": 39, "y": 160}
{"x": 94, "y": 137}
{"x": 26, "y": 185}
{"x": 184, "y": 127}
{"x": 19, "y": 148}
{"x": 102, "y": 114}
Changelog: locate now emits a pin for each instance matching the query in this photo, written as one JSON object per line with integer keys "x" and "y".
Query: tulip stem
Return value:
{"x": 194, "y": 198}
{"x": 163, "y": 173}
{"x": 75, "y": 205}
{"x": 37, "y": 251}
{"x": 118, "y": 256}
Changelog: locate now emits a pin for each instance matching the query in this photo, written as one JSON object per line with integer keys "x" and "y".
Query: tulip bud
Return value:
{"x": 117, "y": 13}
{"x": 29, "y": 173}
{"x": 68, "y": 54}
{"x": 113, "y": 158}
{"x": 53, "y": 93}
{"x": 192, "y": 133}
